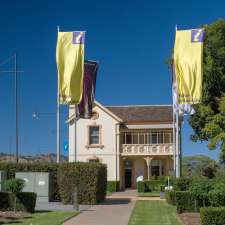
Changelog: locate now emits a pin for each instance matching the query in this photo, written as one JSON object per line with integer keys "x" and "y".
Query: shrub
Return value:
{"x": 185, "y": 202}
{"x": 212, "y": 216}
{"x": 26, "y": 201}
{"x": 181, "y": 184}
{"x": 141, "y": 186}
{"x": 50, "y": 167}
{"x": 151, "y": 185}
{"x": 113, "y": 186}
{"x": 170, "y": 197}
{"x": 200, "y": 188}
{"x": 217, "y": 195}
{"x": 90, "y": 180}
{"x": 14, "y": 186}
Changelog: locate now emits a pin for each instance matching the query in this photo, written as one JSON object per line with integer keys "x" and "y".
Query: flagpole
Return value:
{"x": 177, "y": 132}
{"x": 58, "y": 118}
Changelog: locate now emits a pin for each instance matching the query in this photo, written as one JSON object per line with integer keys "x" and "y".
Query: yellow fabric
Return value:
{"x": 188, "y": 67}
{"x": 70, "y": 64}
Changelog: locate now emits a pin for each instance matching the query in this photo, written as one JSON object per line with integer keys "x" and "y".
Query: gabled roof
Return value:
{"x": 143, "y": 113}
{"x": 137, "y": 113}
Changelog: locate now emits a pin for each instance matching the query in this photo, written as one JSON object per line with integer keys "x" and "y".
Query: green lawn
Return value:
{"x": 149, "y": 194}
{"x": 154, "y": 213}
{"x": 44, "y": 218}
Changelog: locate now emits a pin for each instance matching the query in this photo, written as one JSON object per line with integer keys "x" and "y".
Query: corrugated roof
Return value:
{"x": 143, "y": 113}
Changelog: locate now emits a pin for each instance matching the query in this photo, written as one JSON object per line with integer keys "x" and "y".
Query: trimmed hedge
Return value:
{"x": 181, "y": 184}
{"x": 26, "y": 201}
{"x": 170, "y": 197}
{"x": 212, "y": 216}
{"x": 141, "y": 186}
{"x": 185, "y": 202}
{"x": 151, "y": 185}
{"x": 50, "y": 167}
{"x": 89, "y": 179}
{"x": 113, "y": 186}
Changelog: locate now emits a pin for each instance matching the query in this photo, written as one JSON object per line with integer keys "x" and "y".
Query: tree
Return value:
{"x": 208, "y": 122}
{"x": 199, "y": 165}
{"x": 14, "y": 186}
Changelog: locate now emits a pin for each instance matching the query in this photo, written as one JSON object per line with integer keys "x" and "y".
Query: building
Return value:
{"x": 135, "y": 142}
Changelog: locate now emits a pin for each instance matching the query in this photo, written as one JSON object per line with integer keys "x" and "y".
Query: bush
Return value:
{"x": 212, "y": 216}
{"x": 14, "y": 186}
{"x": 113, "y": 186}
{"x": 170, "y": 197}
{"x": 26, "y": 201}
{"x": 141, "y": 186}
{"x": 185, "y": 202}
{"x": 90, "y": 180}
{"x": 217, "y": 195}
{"x": 181, "y": 184}
{"x": 200, "y": 188}
{"x": 50, "y": 167}
{"x": 151, "y": 185}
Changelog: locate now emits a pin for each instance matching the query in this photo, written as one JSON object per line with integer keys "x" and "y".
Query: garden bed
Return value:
{"x": 190, "y": 218}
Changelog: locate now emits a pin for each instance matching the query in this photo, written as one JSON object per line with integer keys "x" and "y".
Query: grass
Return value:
{"x": 154, "y": 213}
{"x": 149, "y": 194}
{"x": 44, "y": 218}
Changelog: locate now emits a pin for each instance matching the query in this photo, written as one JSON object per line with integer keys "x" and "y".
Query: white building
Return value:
{"x": 135, "y": 142}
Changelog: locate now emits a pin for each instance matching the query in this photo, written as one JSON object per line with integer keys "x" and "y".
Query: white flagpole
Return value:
{"x": 58, "y": 118}
{"x": 177, "y": 132}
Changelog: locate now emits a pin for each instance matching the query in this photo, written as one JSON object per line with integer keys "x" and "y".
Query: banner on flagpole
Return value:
{"x": 84, "y": 108}
{"x": 70, "y": 65}
{"x": 188, "y": 65}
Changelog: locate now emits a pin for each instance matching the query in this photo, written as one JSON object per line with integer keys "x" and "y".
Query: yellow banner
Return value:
{"x": 70, "y": 64}
{"x": 188, "y": 65}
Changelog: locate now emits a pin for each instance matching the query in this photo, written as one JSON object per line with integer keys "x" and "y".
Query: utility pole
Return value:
{"x": 15, "y": 73}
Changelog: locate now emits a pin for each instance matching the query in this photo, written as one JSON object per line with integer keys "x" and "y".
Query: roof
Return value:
{"x": 143, "y": 113}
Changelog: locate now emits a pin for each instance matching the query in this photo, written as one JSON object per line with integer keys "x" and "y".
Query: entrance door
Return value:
{"x": 128, "y": 178}
{"x": 128, "y": 173}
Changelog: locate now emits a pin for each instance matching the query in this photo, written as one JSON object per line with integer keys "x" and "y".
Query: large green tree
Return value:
{"x": 208, "y": 122}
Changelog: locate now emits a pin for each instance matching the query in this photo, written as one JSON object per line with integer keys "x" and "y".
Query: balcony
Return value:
{"x": 146, "y": 149}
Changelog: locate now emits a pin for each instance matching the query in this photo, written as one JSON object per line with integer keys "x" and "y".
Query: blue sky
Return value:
{"x": 131, "y": 39}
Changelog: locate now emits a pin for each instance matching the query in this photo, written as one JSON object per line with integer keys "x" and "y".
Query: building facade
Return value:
{"x": 135, "y": 142}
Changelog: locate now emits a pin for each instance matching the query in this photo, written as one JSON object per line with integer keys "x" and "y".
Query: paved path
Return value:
{"x": 116, "y": 210}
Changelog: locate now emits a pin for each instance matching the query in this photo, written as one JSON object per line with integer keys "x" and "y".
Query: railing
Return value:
{"x": 144, "y": 149}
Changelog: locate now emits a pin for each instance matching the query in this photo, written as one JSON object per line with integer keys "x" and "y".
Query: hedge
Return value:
{"x": 113, "y": 186}
{"x": 186, "y": 202}
{"x": 170, "y": 197}
{"x": 212, "y": 216}
{"x": 151, "y": 185}
{"x": 88, "y": 179}
{"x": 51, "y": 167}
{"x": 26, "y": 201}
{"x": 181, "y": 184}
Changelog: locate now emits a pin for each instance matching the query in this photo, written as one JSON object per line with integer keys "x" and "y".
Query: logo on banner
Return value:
{"x": 197, "y": 35}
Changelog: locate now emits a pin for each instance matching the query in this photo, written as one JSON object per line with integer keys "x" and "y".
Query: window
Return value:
{"x": 154, "y": 138}
{"x": 128, "y": 138}
{"x": 94, "y": 135}
{"x": 167, "y": 138}
{"x": 141, "y": 138}
{"x": 160, "y": 138}
{"x": 135, "y": 138}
